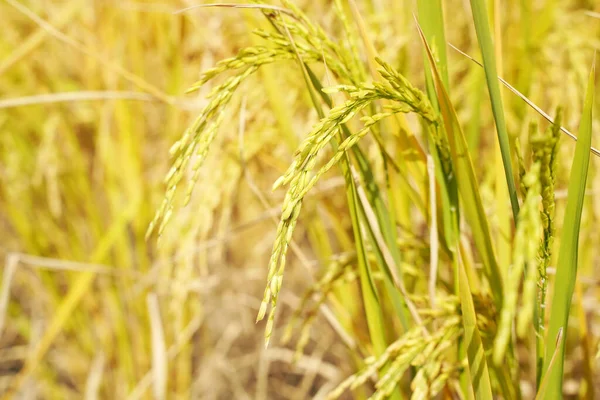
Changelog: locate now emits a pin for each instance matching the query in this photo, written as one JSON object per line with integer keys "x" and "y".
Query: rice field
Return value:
{"x": 353, "y": 199}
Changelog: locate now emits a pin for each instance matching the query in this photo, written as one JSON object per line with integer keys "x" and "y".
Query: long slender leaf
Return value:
{"x": 430, "y": 12}
{"x": 431, "y": 18}
{"x": 467, "y": 183}
{"x": 542, "y": 390}
{"x": 484, "y": 36}
{"x": 566, "y": 268}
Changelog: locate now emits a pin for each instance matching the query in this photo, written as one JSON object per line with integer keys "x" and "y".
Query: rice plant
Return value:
{"x": 381, "y": 102}
{"x": 426, "y": 229}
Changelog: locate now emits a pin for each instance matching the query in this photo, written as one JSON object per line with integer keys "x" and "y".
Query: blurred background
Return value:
{"x": 92, "y": 96}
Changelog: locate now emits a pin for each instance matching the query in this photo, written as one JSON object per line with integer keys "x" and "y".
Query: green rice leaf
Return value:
{"x": 431, "y": 15}
{"x": 484, "y": 36}
{"x": 566, "y": 268}
{"x": 468, "y": 186}
{"x": 432, "y": 20}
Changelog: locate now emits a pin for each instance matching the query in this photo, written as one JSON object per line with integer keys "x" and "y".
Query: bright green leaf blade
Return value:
{"x": 542, "y": 390}
{"x": 467, "y": 183}
{"x": 432, "y": 22}
{"x": 468, "y": 188}
{"x": 484, "y": 36}
{"x": 566, "y": 268}
{"x": 432, "y": 18}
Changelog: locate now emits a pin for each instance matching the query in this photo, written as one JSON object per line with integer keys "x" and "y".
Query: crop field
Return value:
{"x": 295, "y": 199}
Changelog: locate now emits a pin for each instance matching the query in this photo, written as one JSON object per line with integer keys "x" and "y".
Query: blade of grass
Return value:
{"x": 551, "y": 365}
{"x": 373, "y": 308}
{"x": 467, "y": 182}
{"x": 587, "y": 389}
{"x": 467, "y": 186}
{"x": 392, "y": 270}
{"x": 566, "y": 268}
{"x": 432, "y": 22}
{"x": 480, "y": 18}
{"x": 73, "y": 97}
{"x": 503, "y": 225}
{"x": 431, "y": 14}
